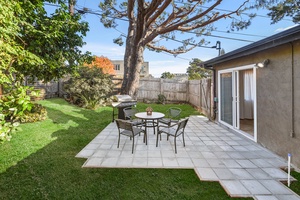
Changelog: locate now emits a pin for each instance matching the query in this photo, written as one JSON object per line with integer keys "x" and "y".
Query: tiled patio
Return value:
{"x": 243, "y": 168}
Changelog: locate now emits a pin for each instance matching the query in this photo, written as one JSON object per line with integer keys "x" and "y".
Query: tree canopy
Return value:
{"x": 151, "y": 22}
{"x": 195, "y": 72}
{"x": 55, "y": 38}
{"x": 285, "y": 8}
{"x": 104, "y": 63}
{"x": 167, "y": 75}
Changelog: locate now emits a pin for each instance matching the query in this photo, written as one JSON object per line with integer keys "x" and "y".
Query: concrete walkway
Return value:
{"x": 243, "y": 168}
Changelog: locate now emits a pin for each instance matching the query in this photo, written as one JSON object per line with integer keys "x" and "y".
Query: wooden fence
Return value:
{"x": 196, "y": 92}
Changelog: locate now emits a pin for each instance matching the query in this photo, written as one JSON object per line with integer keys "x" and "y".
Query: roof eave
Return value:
{"x": 267, "y": 43}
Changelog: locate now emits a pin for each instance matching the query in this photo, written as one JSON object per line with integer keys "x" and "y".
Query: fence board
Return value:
{"x": 195, "y": 92}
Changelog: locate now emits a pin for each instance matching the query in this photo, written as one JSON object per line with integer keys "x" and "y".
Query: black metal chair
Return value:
{"x": 127, "y": 128}
{"x": 174, "y": 130}
{"x": 129, "y": 113}
{"x": 171, "y": 116}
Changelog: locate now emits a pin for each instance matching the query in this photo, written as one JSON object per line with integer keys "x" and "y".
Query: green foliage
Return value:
{"x": 161, "y": 99}
{"x": 196, "y": 72}
{"x": 90, "y": 88}
{"x": 62, "y": 35}
{"x": 6, "y": 129}
{"x": 15, "y": 102}
{"x": 167, "y": 75}
{"x": 37, "y": 113}
{"x": 11, "y": 45}
{"x": 285, "y": 8}
{"x": 13, "y": 106}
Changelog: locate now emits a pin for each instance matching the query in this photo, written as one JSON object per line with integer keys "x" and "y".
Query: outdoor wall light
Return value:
{"x": 262, "y": 64}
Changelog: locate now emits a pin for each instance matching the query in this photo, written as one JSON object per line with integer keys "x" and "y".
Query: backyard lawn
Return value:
{"x": 39, "y": 162}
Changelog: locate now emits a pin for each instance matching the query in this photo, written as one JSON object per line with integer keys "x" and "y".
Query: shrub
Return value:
{"x": 6, "y": 129}
{"x": 37, "y": 113}
{"x": 161, "y": 99}
{"x": 90, "y": 88}
{"x": 13, "y": 105}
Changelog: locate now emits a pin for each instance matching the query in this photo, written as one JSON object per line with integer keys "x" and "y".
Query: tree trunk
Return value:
{"x": 133, "y": 61}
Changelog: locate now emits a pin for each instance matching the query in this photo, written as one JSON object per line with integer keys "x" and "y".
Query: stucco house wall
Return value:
{"x": 275, "y": 110}
{"x": 277, "y": 89}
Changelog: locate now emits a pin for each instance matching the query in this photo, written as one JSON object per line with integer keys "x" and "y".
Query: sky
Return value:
{"x": 99, "y": 40}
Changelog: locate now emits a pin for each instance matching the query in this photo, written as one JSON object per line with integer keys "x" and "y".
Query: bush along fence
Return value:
{"x": 196, "y": 92}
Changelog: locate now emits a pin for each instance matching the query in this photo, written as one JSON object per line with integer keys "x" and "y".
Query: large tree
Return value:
{"x": 55, "y": 37}
{"x": 151, "y": 21}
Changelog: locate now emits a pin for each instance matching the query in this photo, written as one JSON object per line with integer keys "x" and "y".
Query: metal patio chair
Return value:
{"x": 127, "y": 128}
{"x": 129, "y": 113}
{"x": 174, "y": 130}
{"x": 171, "y": 116}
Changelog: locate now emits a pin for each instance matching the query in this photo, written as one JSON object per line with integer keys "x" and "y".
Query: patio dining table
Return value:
{"x": 150, "y": 120}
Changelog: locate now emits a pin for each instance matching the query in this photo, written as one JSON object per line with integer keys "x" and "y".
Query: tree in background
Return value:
{"x": 152, "y": 22}
{"x": 34, "y": 43}
{"x": 104, "y": 63}
{"x": 285, "y": 8}
{"x": 56, "y": 38}
{"x": 196, "y": 72}
{"x": 167, "y": 75}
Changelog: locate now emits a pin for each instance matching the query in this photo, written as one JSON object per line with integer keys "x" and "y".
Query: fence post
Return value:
{"x": 161, "y": 86}
{"x": 187, "y": 93}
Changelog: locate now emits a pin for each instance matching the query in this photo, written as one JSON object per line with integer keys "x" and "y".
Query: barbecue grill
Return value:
{"x": 121, "y": 102}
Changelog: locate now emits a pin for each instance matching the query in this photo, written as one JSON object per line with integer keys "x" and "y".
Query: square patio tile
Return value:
{"x": 276, "y": 173}
{"x": 234, "y": 188}
{"x": 275, "y": 187}
{"x": 255, "y": 187}
{"x": 206, "y": 174}
{"x": 155, "y": 162}
{"x": 109, "y": 162}
{"x": 224, "y": 174}
{"x": 185, "y": 162}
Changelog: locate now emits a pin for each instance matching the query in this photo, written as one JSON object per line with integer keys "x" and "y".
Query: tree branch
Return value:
{"x": 175, "y": 52}
{"x": 158, "y": 12}
{"x": 180, "y": 26}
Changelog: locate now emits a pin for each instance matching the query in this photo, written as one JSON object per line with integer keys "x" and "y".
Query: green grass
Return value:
{"x": 295, "y": 185}
{"x": 39, "y": 163}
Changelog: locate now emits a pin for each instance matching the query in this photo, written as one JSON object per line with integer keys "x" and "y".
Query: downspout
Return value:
{"x": 292, "y": 134}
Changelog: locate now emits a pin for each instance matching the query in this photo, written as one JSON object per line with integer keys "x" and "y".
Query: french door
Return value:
{"x": 234, "y": 86}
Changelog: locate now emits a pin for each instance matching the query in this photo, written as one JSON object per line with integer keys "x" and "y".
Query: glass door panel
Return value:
{"x": 226, "y": 97}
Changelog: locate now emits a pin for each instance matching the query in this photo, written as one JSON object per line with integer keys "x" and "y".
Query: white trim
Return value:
{"x": 234, "y": 127}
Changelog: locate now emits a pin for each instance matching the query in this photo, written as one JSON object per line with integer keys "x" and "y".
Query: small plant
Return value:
{"x": 161, "y": 99}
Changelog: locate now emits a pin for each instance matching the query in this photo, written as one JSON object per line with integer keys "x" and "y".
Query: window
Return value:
{"x": 117, "y": 67}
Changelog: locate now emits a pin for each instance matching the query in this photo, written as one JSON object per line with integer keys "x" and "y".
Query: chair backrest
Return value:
{"x": 173, "y": 112}
{"x": 129, "y": 112}
{"x": 181, "y": 125}
{"x": 125, "y": 125}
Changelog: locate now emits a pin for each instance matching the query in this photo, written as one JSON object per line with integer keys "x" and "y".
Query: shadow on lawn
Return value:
{"x": 53, "y": 172}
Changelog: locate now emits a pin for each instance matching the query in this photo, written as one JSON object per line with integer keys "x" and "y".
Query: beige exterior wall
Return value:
{"x": 119, "y": 68}
{"x": 276, "y": 111}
